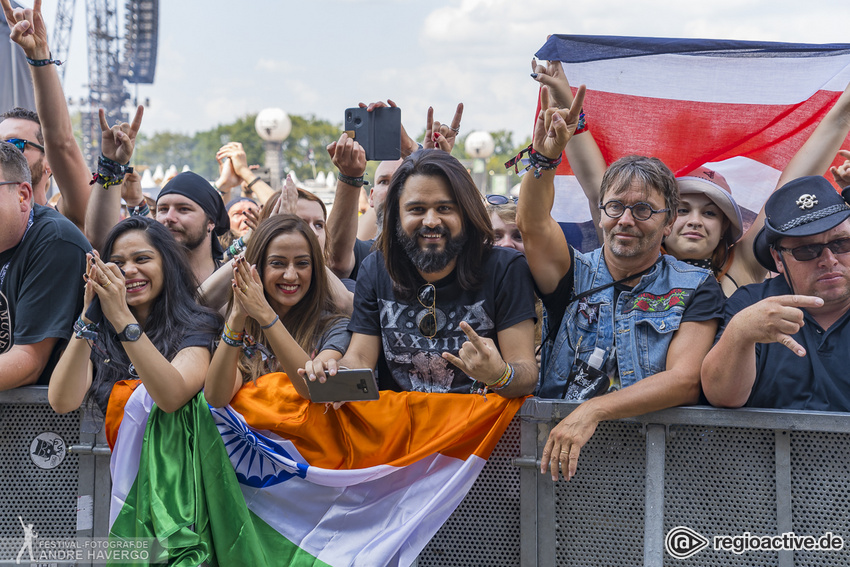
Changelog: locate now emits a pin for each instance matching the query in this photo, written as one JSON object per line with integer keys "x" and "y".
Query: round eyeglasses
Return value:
{"x": 500, "y": 199}
{"x": 640, "y": 211}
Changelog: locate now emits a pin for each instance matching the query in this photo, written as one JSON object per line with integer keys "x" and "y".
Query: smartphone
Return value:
{"x": 346, "y": 386}
{"x": 379, "y": 131}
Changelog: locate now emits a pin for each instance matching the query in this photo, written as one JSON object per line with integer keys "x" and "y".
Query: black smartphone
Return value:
{"x": 347, "y": 386}
{"x": 379, "y": 131}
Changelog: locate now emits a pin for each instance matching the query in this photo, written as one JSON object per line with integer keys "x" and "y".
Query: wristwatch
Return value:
{"x": 131, "y": 333}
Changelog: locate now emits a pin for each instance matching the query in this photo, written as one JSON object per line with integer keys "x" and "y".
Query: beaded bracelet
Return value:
{"x": 505, "y": 380}
{"x": 353, "y": 181}
{"x": 42, "y": 62}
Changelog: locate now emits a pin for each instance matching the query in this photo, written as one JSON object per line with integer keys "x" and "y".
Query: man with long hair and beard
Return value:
{"x": 445, "y": 310}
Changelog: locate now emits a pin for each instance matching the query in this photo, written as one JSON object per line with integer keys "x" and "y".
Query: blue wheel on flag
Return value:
{"x": 258, "y": 460}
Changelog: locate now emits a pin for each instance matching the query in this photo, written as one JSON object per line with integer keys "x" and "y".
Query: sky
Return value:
{"x": 220, "y": 60}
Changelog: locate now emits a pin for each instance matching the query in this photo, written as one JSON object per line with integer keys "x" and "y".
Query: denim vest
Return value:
{"x": 641, "y": 325}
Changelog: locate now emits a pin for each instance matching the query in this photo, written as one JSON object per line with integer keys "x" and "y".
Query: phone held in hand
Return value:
{"x": 346, "y": 386}
{"x": 378, "y": 132}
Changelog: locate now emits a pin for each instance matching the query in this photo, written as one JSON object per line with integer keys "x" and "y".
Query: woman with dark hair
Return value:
{"x": 281, "y": 313}
{"x": 151, "y": 327}
{"x": 477, "y": 237}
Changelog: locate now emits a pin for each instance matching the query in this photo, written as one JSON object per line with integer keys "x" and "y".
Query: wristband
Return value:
{"x": 142, "y": 210}
{"x": 231, "y": 342}
{"x": 270, "y": 325}
{"x": 582, "y": 123}
{"x": 353, "y": 181}
{"x": 83, "y": 330}
{"x": 251, "y": 184}
{"x": 43, "y": 62}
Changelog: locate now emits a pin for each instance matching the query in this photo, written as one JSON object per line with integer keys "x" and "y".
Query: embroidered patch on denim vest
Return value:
{"x": 651, "y": 303}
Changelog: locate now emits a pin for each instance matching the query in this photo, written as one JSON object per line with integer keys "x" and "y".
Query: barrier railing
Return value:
{"x": 54, "y": 473}
{"x": 720, "y": 473}
{"x": 717, "y": 472}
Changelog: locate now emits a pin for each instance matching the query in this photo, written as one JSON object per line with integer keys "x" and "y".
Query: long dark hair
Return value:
{"x": 309, "y": 318}
{"x": 175, "y": 312}
{"x": 476, "y": 222}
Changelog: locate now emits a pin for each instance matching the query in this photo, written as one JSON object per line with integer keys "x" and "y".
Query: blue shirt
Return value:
{"x": 818, "y": 381}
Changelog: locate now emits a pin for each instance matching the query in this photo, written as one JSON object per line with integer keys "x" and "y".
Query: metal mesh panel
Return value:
{"x": 721, "y": 481}
{"x": 484, "y": 530}
{"x": 599, "y": 514}
{"x": 819, "y": 493}
{"x": 46, "y": 498}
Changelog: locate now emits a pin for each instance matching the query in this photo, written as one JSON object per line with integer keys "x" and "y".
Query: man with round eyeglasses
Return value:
{"x": 628, "y": 327}
{"x": 785, "y": 341}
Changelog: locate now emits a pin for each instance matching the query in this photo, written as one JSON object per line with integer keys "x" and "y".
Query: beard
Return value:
{"x": 190, "y": 239}
{"x": 429, "y": 260}
{"x": 37, "y": 172}
{"x": 379, "y": 219}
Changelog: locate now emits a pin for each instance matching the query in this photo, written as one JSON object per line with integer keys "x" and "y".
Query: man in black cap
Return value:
{"x": 193, "y": 211}
{"x": 785, "y": 341}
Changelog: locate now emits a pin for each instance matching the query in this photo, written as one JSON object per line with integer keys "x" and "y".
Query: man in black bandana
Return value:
{"x": 191, "y": 209}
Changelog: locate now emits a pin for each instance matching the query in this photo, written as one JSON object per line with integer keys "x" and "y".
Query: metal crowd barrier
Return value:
{"x": 716, "y": 472}
{"x": 54, "y": 473}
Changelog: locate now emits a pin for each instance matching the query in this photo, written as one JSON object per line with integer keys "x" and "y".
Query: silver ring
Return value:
{"x": 456, "y": 130}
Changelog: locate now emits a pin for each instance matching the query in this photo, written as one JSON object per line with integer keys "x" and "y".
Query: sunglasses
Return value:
{"x": 640, "y": 211}
{"x": 428, "y": 299}
{"x": 2, "y": 183}
{"x": 22, "y": 144}
{"x": 813, "y": 251}
{"x": 500, "y": 199}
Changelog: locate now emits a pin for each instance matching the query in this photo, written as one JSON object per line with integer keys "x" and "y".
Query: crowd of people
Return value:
{"x": 438, "y": 288}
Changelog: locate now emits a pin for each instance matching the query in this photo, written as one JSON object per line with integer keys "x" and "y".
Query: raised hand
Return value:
{"x": 248, "y": 292}
{"x": 555, "y": 127}
{"x": 408, "y": 144}
{"x": 119, "y": 141}
{"x": 108, "y": 283}
{"x": 841, "y": 174}
{"x": 131, "y": 189}
{"x": 552, "y": 75}
{"x": 28, "y": 30}
{"x": 478, "y": 357}
{"x": 442, "y": 136}
{"x": 348, "y": 156}
{"x": 238, "y": 159}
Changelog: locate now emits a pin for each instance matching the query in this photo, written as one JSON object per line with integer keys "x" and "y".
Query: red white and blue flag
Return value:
{"x": 742, "y": 107}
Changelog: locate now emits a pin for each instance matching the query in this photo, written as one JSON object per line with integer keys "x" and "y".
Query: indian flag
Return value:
{"x": 273, "y": 479}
